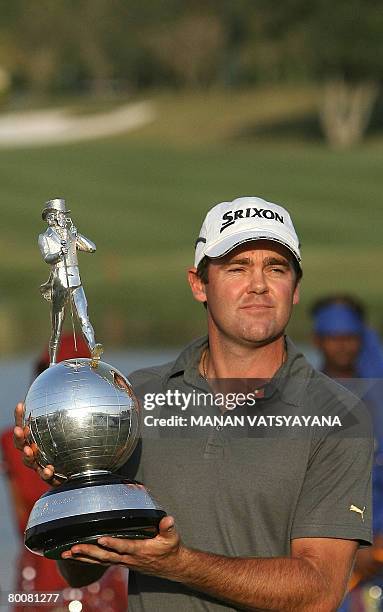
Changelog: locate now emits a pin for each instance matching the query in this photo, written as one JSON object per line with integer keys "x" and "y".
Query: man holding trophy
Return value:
{"x": 263, "y": 522}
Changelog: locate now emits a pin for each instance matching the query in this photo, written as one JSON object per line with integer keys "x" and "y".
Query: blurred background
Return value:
{"x": 143, "y": 114}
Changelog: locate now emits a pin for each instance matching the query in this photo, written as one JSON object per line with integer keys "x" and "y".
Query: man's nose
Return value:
{"x": 257, "y": 282}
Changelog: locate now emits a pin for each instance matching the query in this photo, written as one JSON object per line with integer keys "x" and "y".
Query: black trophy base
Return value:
{"x": 139, "y": 519}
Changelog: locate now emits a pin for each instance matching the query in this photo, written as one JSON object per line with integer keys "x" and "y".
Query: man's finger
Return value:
{"x": 48, "y": 475}
{"x": 69, "y": 556}
{"x": 95, "y": 553}
{"x": 29, "y": 462}
{"x": 20, "y": 432}
{"x": 19, "y": 414}
{"x": 28, "y": 451}
{"x": 28, "y": 457}
{"x": 121, "y": 545}
{"x": 19, "y": 438}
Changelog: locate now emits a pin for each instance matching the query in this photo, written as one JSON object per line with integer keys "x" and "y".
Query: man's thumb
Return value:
{"x": 167, "y": 525}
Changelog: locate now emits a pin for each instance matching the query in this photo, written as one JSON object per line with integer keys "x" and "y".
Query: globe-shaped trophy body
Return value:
{"x": 84, "y": 420}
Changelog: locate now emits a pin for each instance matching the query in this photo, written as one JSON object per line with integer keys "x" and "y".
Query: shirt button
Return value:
{"x": 219, "y": 427}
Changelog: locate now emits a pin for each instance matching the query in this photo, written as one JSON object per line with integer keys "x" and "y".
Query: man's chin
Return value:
{"x": 260, "y": 339}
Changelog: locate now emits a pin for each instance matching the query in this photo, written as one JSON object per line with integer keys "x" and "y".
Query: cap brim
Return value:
{"x": 229, "y": 243}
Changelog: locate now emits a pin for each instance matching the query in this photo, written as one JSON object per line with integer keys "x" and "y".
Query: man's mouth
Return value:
{"x": 256, "y": 306}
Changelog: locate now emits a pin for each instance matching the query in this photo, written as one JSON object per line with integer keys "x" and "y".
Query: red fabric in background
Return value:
{"x": 29, "y": 485}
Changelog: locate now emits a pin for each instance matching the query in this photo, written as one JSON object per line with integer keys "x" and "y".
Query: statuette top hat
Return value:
{"x": 57, "y": 204}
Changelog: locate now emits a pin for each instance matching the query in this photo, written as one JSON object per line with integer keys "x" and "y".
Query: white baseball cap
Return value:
{"x": 230, "y": 224}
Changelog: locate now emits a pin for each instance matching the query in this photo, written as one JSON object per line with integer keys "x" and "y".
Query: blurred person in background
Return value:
{"x": 352, "y": 352}
{"x": 35, "y": 573}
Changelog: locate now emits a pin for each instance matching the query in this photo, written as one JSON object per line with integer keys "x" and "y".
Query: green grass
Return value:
{"x": 142, "y": 196}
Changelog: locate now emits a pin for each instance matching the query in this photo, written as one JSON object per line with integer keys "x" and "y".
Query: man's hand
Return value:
{"x": 20, "y": 438}
{"x": 158, "y": 556}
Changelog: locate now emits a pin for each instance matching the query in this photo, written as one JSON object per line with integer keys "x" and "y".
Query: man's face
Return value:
{"x": 340, "y": 352}
{"x": 250, "y": 292}
{"x": 51, "y": 218}
{"x": 61, "y": 219}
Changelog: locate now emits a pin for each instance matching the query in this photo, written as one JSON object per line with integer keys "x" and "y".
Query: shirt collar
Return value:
{"x": 290, "y": 381}
{"x": 292, "y": 378}
{"x": 187, "y": 363}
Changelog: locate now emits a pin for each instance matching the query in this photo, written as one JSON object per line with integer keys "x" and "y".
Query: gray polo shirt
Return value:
{"x": 248, "y": 490}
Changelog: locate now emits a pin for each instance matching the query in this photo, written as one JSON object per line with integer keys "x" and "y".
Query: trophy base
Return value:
{"x": 85, "y": 509}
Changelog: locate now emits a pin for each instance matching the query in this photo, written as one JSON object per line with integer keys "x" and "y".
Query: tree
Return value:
{"x": 190, "y": 48}
{"x": 338, "y": 43}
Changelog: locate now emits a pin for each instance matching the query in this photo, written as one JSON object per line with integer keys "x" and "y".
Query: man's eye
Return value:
{"x": 278, "y": 270}
{"x": 235, "y": 269}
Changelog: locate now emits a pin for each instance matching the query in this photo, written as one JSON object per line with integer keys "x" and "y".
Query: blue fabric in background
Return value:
{"x": 370, "y": 360}
{"x": 337, "y": 319}
{"x": 370, "y": 365}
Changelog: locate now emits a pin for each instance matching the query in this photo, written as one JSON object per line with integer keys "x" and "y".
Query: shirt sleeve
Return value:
{"x": 335, "y": 500}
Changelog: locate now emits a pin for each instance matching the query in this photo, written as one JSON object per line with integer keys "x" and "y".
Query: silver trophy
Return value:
{"x": 84, "y": 419}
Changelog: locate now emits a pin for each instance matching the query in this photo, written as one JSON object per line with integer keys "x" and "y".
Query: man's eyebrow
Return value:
{"x": 243, "y": 261}
{"x": 268, "y": 261}
{"x": 276, "y": 261}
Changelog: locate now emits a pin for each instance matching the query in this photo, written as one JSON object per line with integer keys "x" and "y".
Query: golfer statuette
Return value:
{"x": 58, "y": 246}
{"x": 83, "y": 418}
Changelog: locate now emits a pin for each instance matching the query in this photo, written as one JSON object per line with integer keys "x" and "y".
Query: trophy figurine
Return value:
{"x": 83, "y": 418}
{"x": 58, "y": 246}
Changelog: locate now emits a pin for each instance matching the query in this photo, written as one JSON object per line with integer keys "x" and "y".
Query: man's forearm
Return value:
{"x": 312, "y": 579}
{"x": 79, "y": 574}
{"x": 252, "y": 584}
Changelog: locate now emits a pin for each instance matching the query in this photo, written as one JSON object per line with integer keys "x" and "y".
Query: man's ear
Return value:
{"x": 196, "y": 285}
{"x": 296, "y": 294}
